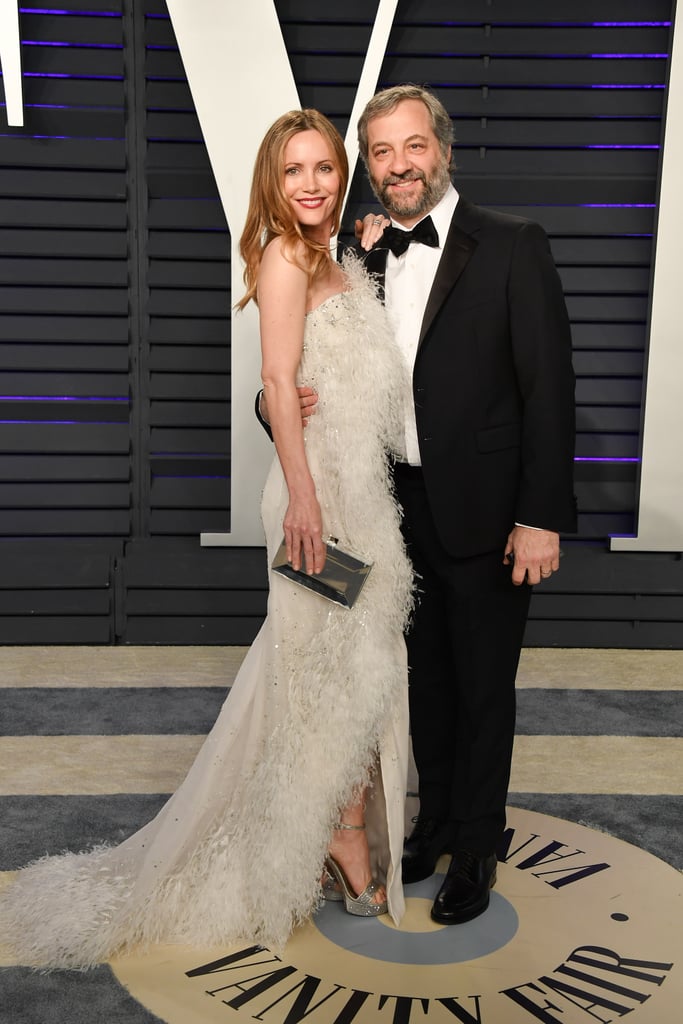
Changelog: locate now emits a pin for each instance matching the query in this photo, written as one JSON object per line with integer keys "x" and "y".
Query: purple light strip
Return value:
{"x": 630, "y": 24}
{"x": 628, "y": 56}
{"x": 468, "y": 85}
{"x": 604, "y": 459}
{"x": 94, "y": 138}
{"x": 536, "y": 24}
{"x": 500, "y": 55}
{"x": 623, "y": 87}
{"x": 62, "y": 398}
{"x": 63, "y": 423}
{"x": 48, "y": 106}
{"x": 91, "y": 78}
{"x": 75, "y": 106}
{"x": 73, "y": 46}
{"x": 541, "y": 24}
{"x": 510, "y": 146}
{"x": 59, "y": 10}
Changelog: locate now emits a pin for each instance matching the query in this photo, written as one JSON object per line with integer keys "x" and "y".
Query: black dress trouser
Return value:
{"x": 463, "y": 650}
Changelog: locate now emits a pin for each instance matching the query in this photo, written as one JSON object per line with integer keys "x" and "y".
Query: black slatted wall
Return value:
{"x": 115, "y": 301}
{"x": 65, "y": 437}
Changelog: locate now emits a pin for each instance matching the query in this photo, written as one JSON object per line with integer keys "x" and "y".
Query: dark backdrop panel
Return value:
{"x": 115, "y": 297}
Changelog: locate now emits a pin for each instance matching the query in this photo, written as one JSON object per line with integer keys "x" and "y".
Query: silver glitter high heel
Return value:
{"x": 331, "y": 891}
{"x": 362, "y": 905}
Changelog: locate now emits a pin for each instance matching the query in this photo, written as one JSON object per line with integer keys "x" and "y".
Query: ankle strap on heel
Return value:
{"x": 350, "y": 828}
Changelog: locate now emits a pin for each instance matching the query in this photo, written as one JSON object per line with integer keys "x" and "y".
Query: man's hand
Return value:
{"x": 308, "y": 399}
{"x": 370, "y": 229}
{"x": 535, "y": 554}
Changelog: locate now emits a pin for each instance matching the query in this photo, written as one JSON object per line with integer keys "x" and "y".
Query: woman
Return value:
{"x": 313, "y": 735}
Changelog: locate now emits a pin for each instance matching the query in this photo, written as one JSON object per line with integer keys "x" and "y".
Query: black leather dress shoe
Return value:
{"x": 422, "y": 849}
{"x": 465, "y": 891}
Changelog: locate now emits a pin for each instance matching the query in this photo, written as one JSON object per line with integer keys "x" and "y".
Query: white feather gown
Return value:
{"x": 319, "y": 707}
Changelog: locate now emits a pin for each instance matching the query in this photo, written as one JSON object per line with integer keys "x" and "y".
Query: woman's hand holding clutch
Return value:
{"x": 303, "y": 530}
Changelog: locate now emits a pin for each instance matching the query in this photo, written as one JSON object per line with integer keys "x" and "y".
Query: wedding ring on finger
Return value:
{"x": 377, "y": 222}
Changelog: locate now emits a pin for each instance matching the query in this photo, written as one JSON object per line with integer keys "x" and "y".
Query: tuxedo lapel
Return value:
{"x": 459, "y": 246}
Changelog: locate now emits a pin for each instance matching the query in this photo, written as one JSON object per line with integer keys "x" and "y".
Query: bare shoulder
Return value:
{"x": 279, "y": 255}
{"x": 280, "y": 271}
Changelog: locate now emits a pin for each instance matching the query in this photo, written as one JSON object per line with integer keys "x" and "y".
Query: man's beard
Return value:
{"x": 434, "y": 188}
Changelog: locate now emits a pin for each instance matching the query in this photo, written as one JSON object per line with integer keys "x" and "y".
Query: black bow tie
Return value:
{"x": 398, "y": 241}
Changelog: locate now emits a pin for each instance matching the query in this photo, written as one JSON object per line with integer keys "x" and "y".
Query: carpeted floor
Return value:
{"x": 94, "y": 739}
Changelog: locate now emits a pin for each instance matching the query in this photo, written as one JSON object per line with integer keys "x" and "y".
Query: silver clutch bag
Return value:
{"x": 341, "y": 580}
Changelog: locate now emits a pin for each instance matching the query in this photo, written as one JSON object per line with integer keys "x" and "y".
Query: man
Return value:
{"x": 487, "y": 486}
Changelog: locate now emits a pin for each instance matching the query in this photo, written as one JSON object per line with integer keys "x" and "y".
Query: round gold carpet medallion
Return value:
{"x": 582, "y": 928}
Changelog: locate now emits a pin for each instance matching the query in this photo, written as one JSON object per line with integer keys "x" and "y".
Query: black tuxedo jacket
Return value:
{"x": 493, "y": 384}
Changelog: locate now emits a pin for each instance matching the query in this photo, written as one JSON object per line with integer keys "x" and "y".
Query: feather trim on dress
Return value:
{"x": 237, "y": 851}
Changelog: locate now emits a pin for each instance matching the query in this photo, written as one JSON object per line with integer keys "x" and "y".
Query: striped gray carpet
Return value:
{"x": 94, "y": 739}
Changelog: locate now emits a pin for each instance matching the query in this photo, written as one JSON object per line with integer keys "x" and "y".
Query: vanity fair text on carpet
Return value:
{"x": 284, "y": 995}
{"x": 592, "y": 982}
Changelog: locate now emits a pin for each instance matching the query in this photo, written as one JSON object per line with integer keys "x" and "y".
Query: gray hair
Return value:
{"x": 387, "y": 100}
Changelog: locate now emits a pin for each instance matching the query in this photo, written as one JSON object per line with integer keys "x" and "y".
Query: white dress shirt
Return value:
{"x": 408, "y": 282}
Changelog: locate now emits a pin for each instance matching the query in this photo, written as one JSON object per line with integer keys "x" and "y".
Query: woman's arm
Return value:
{"x": 282, "y": 292}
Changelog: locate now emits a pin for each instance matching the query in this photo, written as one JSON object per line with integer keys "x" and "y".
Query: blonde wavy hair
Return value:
{"x": 270, "y": 214}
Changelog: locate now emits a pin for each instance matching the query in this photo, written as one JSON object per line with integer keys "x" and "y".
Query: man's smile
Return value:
{"x": 403, "y": 182}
